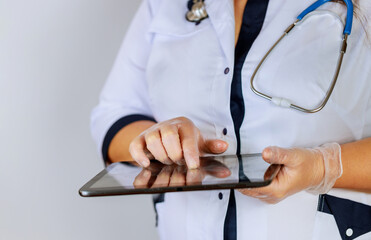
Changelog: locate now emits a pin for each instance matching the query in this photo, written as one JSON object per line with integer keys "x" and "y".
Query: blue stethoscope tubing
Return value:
{"x": 286, "y": 103}
{"x": 349, "y": 19}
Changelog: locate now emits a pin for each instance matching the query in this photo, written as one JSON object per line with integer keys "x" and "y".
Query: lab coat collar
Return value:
{"x": 221, "y": 14}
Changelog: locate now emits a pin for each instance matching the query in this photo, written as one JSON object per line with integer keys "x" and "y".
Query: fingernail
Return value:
{"x": 267, "y": 153}
{"x": 221, "y": 145}
{"x": 144, "y": 163}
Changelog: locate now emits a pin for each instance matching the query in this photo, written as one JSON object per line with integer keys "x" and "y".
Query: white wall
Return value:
{"x": 54, "y": 58}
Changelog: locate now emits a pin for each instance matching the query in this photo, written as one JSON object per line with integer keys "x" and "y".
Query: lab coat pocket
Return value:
{"x": 182, "y": 64}
{"x": 339, "y": 218}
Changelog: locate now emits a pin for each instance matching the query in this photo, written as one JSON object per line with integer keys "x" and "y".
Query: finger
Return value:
{"x": 271, "y": 171}
{"x": 265, "y": 198}
{"x": 271, "y": 200}
{"x": 189, "y": 141}
{"x": 215, "y": 146}
{"x": 148, "y": 154}
{"x": 136, "y": 149}
{"x": 155, "y": 167}
{"x": 194, "y": 176}
{"x": 273, "y": 190}
{"x": 251, "y": 193}
{"x": 267, "y": 190}
{"x": 141, "y": 181}
{"x": 154, "y": 145}
{"x": 277, "y": 155}
{"x": 178, "y": 178}
{"x": 163, "y": 178}
{"x": 171, "y": 142}
{"x": 215, "y": 168}
{"x": 280, "y": 187}
{"x": 261, "y": 194}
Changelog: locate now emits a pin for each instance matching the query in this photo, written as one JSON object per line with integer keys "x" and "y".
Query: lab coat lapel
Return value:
{"x": 221, "y": 14}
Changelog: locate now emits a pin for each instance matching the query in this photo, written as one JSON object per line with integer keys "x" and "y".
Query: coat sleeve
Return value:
{"x": 124, "y": 98}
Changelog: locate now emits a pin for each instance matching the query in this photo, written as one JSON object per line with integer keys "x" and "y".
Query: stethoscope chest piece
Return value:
{"x": 197, "y": 11}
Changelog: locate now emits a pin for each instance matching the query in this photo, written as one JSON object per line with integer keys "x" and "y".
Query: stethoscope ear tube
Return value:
{"x": 349, "y": 19}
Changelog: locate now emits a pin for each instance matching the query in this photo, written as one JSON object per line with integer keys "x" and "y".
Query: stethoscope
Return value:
{"x": 199, "y": 13}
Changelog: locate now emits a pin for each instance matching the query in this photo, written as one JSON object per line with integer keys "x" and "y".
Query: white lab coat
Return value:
{"x": 168, "y": 67}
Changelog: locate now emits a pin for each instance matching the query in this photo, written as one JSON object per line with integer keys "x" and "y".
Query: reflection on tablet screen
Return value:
{"x": 215, "y": 172}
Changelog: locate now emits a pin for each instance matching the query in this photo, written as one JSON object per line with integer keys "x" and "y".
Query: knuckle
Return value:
{"x": 186, "y": 121}
{"x": 169, "y": 133}
{"x": 284, "y": 156}
{"x": 152, "y": 148}
{"x": 278, "y": 195}
{"x": 134, "y": 146}
{"x": 294, "y": 154}
{"x": 182, "y": 118}
{"x": 150, "y": 137}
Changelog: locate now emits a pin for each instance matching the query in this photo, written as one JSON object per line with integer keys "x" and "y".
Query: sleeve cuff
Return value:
{"x": 116, "y": 127}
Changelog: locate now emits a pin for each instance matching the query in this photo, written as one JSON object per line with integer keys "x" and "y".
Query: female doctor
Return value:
{"x": 182, "y": 87}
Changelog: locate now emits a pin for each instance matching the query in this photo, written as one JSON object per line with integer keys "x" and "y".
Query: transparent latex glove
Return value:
{"x": 315, "y": 170}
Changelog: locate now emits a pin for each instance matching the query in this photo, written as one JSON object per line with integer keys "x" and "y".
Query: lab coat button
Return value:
{"x": 220, "y": 196}
{"x": 226, "y": 71}
{"x": 225, "y": 131}
{"x": 349, "y": 232}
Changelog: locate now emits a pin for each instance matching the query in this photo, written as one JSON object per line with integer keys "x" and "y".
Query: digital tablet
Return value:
{"x": 215, "y": 172}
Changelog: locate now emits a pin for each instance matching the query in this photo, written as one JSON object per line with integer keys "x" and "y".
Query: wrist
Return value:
{"x": 332, "y": 168}
{"x": 319, "y": 168}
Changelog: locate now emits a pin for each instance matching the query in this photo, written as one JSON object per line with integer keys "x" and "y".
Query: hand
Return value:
{"x": 159, "y": 175}
{"x": 314, "y": 169}
{"x": 172, "y": 141}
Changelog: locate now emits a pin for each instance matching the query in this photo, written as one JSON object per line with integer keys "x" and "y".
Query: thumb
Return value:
{"x": 215, "y": 146}
{"x": 276, "y": 155}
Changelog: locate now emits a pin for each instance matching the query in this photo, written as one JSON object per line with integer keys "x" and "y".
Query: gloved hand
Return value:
{"x": 315, "y": 170}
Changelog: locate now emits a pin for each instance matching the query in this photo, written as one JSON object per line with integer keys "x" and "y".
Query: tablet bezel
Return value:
{"x": 87, "y": 191}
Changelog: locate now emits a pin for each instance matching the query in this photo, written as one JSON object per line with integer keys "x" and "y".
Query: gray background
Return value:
{"x": 54, "y": 58}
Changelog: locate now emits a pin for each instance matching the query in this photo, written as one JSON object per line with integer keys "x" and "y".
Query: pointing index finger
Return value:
{"x": 189, "y": 141}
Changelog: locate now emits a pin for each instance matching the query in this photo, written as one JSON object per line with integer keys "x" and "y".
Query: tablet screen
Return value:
{"x": 215, "y": 172}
